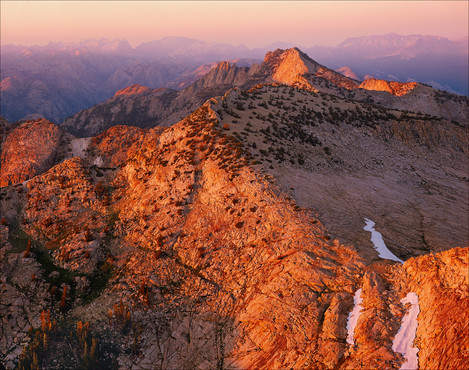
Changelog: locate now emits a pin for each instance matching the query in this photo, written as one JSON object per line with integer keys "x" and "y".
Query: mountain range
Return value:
{"x": 59, "y": 79}
{"x": 144, "y": 107}
{"x": 227, "y": 231}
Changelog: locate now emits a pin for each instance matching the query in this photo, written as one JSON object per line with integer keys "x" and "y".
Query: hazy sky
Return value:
{"x": 252, "y": 23}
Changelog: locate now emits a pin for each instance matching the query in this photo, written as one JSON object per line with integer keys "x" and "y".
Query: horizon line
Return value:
{"x": 71, "y": 42}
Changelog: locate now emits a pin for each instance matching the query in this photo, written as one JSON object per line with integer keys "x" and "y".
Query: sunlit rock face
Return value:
{"x": 29, "y": 149}
{"x": 441, "y": 282}
{"x": 289, "y": 65}
{"x": 133, "y": 90}
{"x": 392, "y": 87}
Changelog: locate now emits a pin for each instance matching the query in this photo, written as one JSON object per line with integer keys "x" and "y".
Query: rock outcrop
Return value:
{"x": 392, "y": 87}
{"x": 442, "y": 283}
{"x": 134, "y": 89}
{"x": 29, "y": 149}
{"x": 115, "y": 146}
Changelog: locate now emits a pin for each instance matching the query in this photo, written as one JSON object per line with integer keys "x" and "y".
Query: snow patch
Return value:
{"x": 353, "y": 316}
{"x": 79, "y": 147}
{"x": 378, "y": 242}
{"x": 404, "y": 339}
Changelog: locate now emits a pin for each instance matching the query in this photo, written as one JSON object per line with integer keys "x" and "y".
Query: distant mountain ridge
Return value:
{"x": 435, "y": 60}
{"x": 59, "y": 79}
{"x": 393, "y": 44}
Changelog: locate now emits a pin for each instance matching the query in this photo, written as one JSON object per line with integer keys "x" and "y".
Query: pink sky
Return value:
{"x": 305, "y": 23}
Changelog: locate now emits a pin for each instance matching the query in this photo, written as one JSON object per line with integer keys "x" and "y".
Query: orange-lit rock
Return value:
{"x": 442, "y": 283}
{"x": 29, "y": 149}
{"x": 134, "y": 89}
{"x": 392, "y": 87}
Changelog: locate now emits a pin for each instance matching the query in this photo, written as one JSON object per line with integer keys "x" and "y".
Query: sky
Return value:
{"x": 252, "y": 23}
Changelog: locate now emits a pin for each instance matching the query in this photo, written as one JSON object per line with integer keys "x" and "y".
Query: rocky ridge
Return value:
{"x": 192, "y": 211}
{"x": 290, "y": 67}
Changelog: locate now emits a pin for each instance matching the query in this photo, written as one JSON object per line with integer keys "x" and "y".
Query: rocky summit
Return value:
{"x": 235, "y": 237}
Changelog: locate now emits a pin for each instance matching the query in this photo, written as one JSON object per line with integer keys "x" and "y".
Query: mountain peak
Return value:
{"x": 288, "y": 65}
{"x": 223, "y": 66}
{"x": 347, "y": 72}
{"x": 134, "y": 89}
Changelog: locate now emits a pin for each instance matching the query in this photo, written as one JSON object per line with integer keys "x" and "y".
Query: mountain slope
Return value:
{"x": 361, "y": 161}
{"x": 59, "y": 79}
{"x": 135, "y": 103}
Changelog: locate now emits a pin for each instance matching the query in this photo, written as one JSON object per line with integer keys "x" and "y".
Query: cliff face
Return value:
{"x": 289, "y": 66}
{"x": 295, "y": 68}
{"x": 224, "y": 74}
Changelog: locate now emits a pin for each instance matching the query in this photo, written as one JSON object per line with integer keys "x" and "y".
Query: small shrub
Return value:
{"x": 239, "y": 224}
